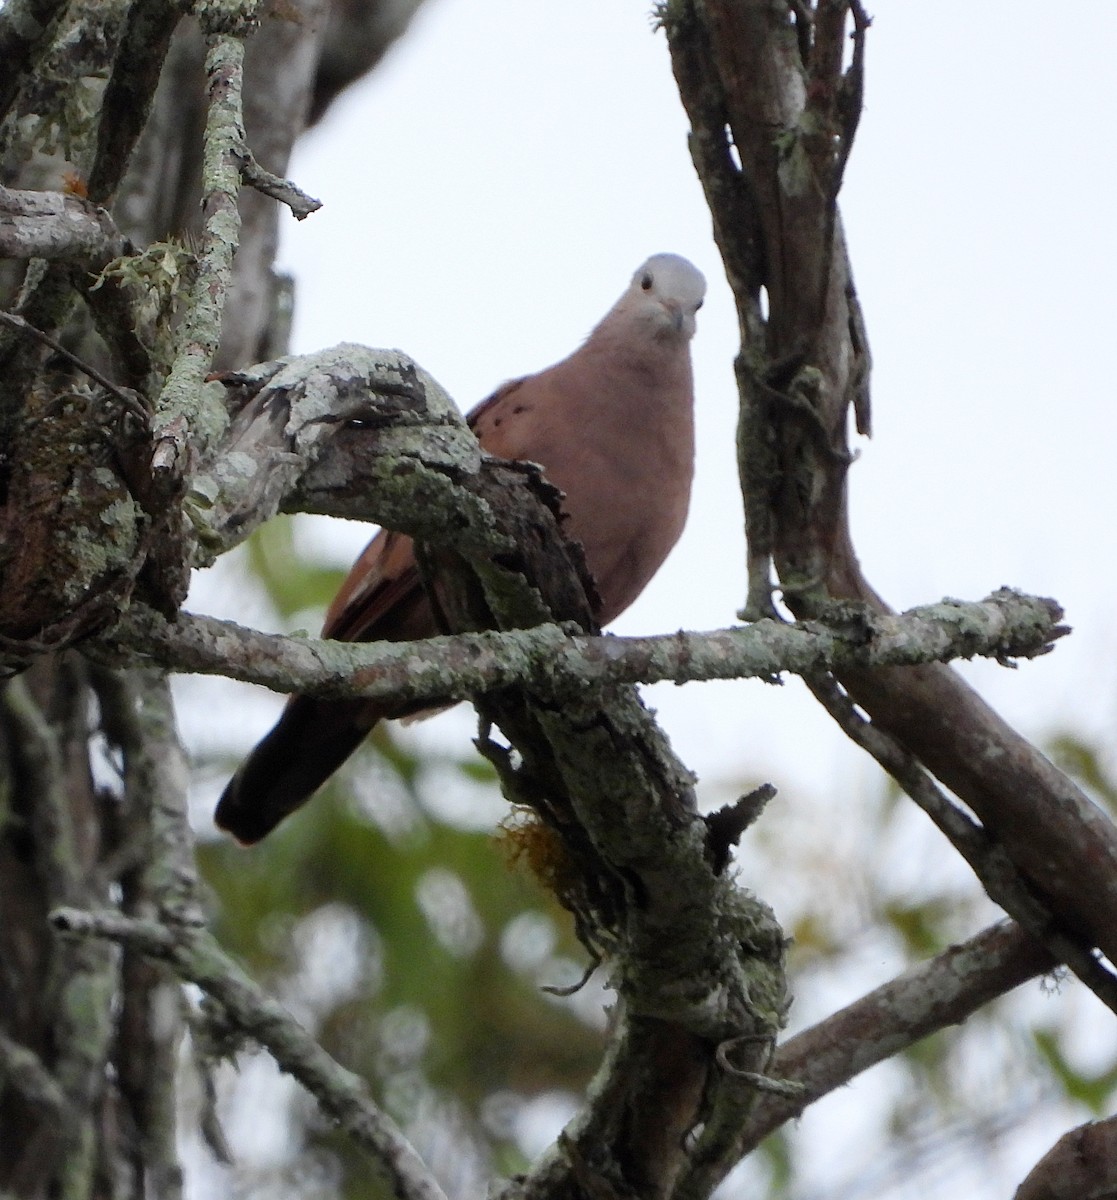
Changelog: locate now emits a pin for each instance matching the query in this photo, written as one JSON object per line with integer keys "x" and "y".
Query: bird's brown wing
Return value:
{"x": 381, "y": 598}
{"x": 493, "y": 419}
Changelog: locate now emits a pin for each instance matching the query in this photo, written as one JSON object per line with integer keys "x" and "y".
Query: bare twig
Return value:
{"x": 132, "y": 401}
{"x": 725, "y": 826}
{"x": 278, "y": 188}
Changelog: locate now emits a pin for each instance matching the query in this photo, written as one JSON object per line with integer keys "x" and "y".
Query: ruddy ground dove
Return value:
{"x": 613, "y": 428}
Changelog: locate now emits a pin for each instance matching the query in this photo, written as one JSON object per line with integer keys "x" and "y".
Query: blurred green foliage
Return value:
{"x": 293, "y": 586}
{"x": 396, "y": 951}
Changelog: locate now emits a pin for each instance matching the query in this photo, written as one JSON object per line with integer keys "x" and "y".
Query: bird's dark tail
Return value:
{"x": 309, "y": 742}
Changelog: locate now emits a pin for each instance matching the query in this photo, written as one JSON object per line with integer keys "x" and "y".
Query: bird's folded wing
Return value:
{"x": 381, "y": 597}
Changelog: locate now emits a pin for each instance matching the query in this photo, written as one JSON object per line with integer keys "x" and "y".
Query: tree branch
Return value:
{"x": 800, "y": 371}
{"x": 946, "y": 990}
{"x": 160, "y": 881}
{"x": 556, "y": 664}
{"x": 81, "y": 1027}
{"x": 696, "y": 961}
{"x": 130, "y": 91}
{"x": 279, "y": 189}
{"x": 77, "y": 41}
{"x": 196, "y": 958}
{"x": 347, "y": 431}
{"x": 987, "y": 858}
{"x": 188, "y": 415}
{"x": 57, "y": 225}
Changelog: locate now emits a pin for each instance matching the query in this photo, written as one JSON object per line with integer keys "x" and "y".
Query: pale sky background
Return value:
{"x": 490, "y": 189}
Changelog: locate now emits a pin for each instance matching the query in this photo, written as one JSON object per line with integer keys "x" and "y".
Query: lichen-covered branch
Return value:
{"x": 347, "y": 431}
{"x": 77, "y": 40}
{"x": 943, "y": 991}
{"x": 195, "y": 957}
{"x": 56, "y": 225}
{"x": 157, "y": 881}
{"x": 695, "y": 961}
{"x": 803, "y": 367}
{"x": 555, "y": 663}
{"x": 368, "y": 434}
{"x": 78, "y": 981}
{"x": 138, "y": 716}
{"x": 188, "y": 413}
{"x": 1000, "y": 878}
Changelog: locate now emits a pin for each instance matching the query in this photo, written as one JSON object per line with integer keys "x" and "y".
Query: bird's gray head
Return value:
{"x": 666, "y": 292}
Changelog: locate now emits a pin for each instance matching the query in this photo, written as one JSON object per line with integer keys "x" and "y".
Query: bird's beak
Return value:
{"x": 675, "y": 312}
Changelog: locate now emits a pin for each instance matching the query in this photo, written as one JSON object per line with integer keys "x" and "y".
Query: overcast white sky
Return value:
{"x": 490, "y": 189}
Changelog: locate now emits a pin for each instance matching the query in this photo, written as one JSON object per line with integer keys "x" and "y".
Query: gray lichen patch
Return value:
{"x": 98, "y": 548}
{"x": 349, "y": 431}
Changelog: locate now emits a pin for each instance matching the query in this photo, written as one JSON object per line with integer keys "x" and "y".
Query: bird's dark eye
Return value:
{"x": 646, "y": 282}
